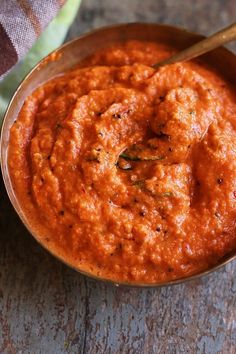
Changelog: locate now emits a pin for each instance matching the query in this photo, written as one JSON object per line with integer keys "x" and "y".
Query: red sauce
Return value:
{"x": 127, "y": 172}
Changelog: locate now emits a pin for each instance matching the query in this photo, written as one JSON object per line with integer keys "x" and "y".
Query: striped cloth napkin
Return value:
{"x": 21, "y": 22}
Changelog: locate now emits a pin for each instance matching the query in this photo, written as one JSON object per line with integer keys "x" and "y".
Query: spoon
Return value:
{"x": 224, "y": 36}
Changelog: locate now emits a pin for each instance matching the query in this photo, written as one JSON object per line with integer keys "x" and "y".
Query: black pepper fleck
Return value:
{"x": 142, "y": 213}
{"x": 116, "y": 115}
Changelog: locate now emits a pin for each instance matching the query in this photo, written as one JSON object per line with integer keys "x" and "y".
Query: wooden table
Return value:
{"x": 47, "y": 308}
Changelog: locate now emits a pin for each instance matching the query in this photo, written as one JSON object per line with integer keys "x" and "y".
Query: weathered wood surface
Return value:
{"x": 47, "y": 308}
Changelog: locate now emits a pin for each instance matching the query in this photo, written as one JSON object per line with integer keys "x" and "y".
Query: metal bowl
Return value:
{"x": 70, "y": 54}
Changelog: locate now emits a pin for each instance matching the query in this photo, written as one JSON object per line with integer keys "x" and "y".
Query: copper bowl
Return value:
{"x": 70, "y": 54}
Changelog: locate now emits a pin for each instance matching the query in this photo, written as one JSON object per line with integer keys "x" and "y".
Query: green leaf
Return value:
{"x": 126, "y": 156}
{"x": 139, "y": 183}
{"x": 167, "y": 194}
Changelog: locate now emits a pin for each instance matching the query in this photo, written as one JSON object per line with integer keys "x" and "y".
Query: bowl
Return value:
{"x": 70, "y": 54}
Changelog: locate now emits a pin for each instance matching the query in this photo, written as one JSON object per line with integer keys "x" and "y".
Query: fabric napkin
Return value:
{"x": 26, "y": 24}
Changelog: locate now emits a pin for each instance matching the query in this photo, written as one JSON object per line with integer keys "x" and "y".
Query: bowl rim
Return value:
{"x": 10, "y": 192}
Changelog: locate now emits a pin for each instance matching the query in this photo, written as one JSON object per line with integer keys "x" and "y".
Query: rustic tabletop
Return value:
{"x": 47, "y": 308}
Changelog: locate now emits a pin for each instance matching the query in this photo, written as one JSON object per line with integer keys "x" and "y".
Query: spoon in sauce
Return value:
{"x": 224, "y": 36}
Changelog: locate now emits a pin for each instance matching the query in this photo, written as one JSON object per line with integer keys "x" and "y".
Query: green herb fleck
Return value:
{"x": 129, "y": 157}
{"x": 166, "y": 194}
{"x": 139, "y": 183}
{"x": 126, "y": 156}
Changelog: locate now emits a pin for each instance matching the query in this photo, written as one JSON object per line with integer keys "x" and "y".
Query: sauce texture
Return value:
{"x": 129, "y": 172}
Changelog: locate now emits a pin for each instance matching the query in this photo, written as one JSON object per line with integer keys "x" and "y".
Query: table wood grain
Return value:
{"x": 46, "y": 307}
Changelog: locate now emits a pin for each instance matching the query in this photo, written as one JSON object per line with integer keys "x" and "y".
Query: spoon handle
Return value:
{"x": 222, "y": 37}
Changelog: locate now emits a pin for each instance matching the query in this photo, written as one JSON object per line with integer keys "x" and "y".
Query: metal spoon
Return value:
{"x": 224, "y": 36}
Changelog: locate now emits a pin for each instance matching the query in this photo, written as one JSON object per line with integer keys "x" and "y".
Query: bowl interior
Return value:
{"x": 70, "y": 54}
